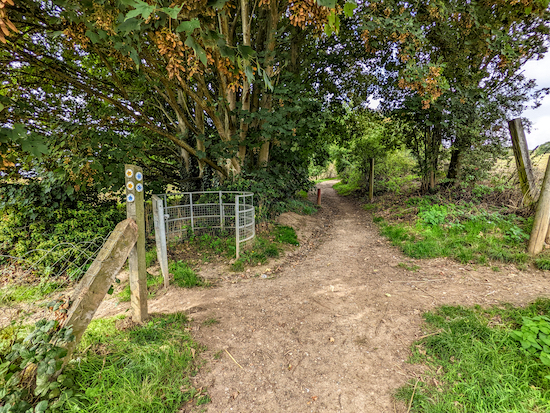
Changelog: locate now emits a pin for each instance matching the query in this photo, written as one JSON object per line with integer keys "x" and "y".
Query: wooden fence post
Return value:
{"x": 98, "y": 279}
{"x": 136, "y": 260}
{"x": 523, "y": 160}
{"x": 160, "y": 237}
{"x": 542, "y": 216}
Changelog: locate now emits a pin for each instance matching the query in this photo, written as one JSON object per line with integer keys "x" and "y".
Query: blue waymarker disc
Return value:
{"x": 130, "y": 198}
{"x": 139, "y": 176}
{"x": 139, "y": 187}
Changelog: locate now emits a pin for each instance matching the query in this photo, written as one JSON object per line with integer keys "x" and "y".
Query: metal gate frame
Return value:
{"x": 188, "y": 216}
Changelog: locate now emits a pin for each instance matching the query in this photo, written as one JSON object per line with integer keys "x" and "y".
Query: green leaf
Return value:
{"x": 188, "y": 26}
{"x": 225, "y": 50}
{"x": 132, "y": 13}
{"x": 349, "y": 8}
{"x": 141, "y": 9}
{"x": 172, "y": 11}
{"x": 217, "y": 4}
{"x": 528, "y": 9}
{"x": 516, "y": 335}
{"x": 327, "y": 3}
{"x": 545, "y": 358}
{"x": 267, "y": 81}
{"x": 249, "y": 73}
{"x": 128, "y": 25}
{"x": 135, "y": 57}
{"x": 41, "y": 407}
{"x": 199, "y": 51}
{"x": 92, "y": 36}
{"x": 246, "y": 51}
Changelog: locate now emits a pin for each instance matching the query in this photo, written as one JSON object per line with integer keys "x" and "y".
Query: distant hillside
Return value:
{"x": 541, "y": 149}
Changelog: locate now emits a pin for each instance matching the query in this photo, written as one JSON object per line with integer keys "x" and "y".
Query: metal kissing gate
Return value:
{"x": 187, "y": 214}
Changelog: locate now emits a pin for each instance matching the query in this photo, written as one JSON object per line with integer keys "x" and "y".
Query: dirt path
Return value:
{"x": 331, "y": 331}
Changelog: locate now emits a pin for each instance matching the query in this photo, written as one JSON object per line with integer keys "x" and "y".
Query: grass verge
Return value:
{"x": 463, "y": 232}
{"x": 25, "y": 293}
{"x": 475, "y": 365}
{"x": 142, "y": 369}
{"x": 265, "y": 247}
{"x": 346, "y": 189}
{"x": 183, "y": 276}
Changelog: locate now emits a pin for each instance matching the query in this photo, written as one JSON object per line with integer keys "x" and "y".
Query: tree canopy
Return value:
{"x": 233, "y": 84}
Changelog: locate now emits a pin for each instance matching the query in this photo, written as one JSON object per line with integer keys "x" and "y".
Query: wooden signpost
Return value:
{"x": 136, "y": 260}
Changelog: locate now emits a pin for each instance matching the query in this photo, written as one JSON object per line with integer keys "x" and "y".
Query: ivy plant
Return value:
{"x": 30, "y": 379}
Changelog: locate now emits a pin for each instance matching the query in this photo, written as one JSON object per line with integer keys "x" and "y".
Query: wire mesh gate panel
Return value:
{"x": 218, "y": 213}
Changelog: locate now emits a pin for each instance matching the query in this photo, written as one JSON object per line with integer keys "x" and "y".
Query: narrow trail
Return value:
{"x": 330, "y": 332}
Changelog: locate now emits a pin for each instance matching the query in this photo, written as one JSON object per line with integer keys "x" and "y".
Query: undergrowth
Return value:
{"x": 476, "y": 362}
{"x": 466, "y": 232}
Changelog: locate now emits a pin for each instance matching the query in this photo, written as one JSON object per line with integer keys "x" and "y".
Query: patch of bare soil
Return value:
{"x": 330, "y": 331}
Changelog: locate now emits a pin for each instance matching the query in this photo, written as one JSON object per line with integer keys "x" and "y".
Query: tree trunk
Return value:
{"x": 263, "y": 157}
{"x": 199, "y": 116}
{"x": 245, "y": 97}
{"x": 454, "y": 165}
{"x": 371, "y": 180}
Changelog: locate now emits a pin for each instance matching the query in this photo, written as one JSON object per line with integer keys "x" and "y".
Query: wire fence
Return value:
{"x": 28, "y": 285}
{"x": 185, "y": 215}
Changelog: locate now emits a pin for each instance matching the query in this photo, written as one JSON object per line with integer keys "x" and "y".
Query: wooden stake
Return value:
{"x": 135, "y": 209}
{"x": 98, "y": 279}
{"x": 542, "y": 216}
{"x": 523, "y": 161}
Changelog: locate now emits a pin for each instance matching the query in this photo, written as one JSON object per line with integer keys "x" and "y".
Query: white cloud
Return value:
{"x": 540, "y": 131}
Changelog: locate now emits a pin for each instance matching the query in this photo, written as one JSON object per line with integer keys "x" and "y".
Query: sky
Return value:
{"x": 540, "y": 132}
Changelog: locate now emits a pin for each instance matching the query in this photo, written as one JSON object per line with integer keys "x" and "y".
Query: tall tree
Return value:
{"x": 188, "y": 72}
{"x": 468, "y": 57}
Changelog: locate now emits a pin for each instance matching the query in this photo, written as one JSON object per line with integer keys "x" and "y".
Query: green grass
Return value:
{"x": 142, "y": 369}
{"x": 325, "y": 179}
{"x": 467, "y": 235}
{"x": 184, "y": 276}
{"x": 150, "y": 257}
{"x": 263, "y": 248}
{"x": 154, "y": 282}
{"x": 474, "y": 365}
{"x": 543, "y": 262}
{"x": 25, "y": 293}
{"x": 369, "y": 207}
{"x": 413, "y": 268}
{"x": 286, "y": 235}
{"x": 210, "y": 321}
{"x": 346, "y": 189}
{"x": 301, "y": 206}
